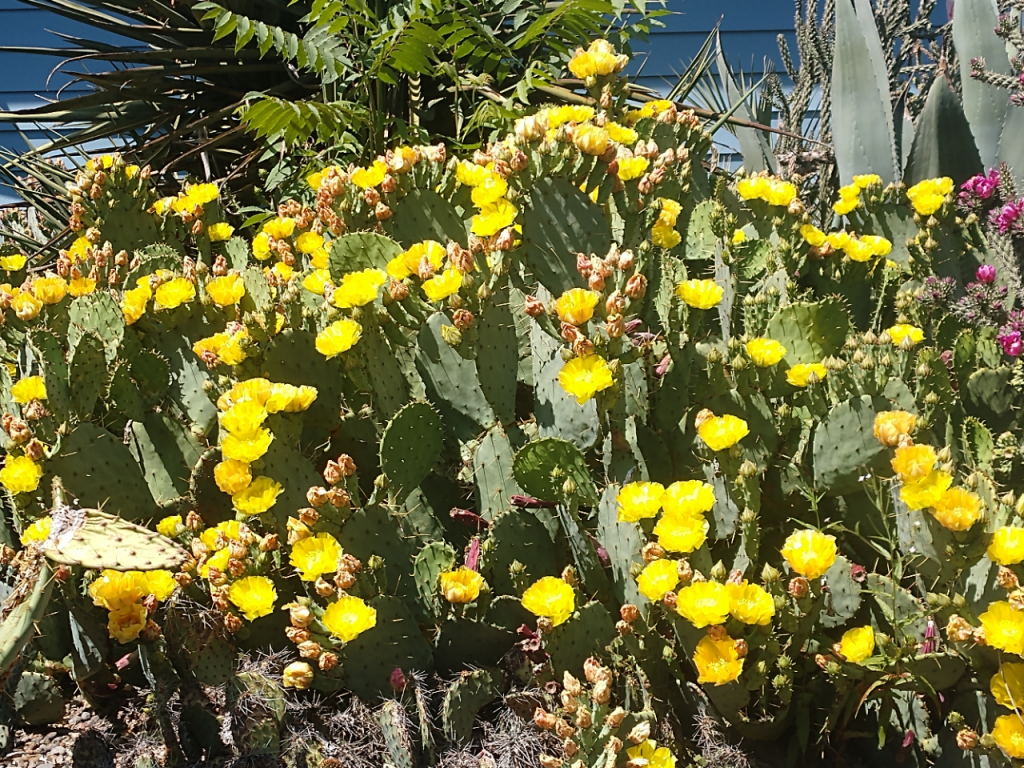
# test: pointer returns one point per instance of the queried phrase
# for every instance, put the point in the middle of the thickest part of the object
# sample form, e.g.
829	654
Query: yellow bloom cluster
810	553
664	233
682	527
599	60
227	347
122	592
357	289
892	426
700	294
650	109
929	195
20	474
767	188
584	377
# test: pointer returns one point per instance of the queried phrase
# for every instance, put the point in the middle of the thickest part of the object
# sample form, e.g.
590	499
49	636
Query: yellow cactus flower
20	474
858	250
630	168
365	178
681	533
849	200
704	603
38	532
407	263
805	374
957	509
314	556
170	526
261	246
665	236
133	303
657	579
688	498
591	140
443	285
639	500
857	644
1007	685
598	60
232	476
470	174
218	561
838	240
812	235
721	432
584	377
174	293
669	212
288	398
700	294
13	262
79	250
340	336
903	332
258	497
1008	734
927	491
810	553
751	604
226	290
867	180
929	195
738	237
462	585
551	598
159	583
348	617
880	246
297	675
494	217
247	449
28	389
753	187
114	590
26	306
244	419
231	530
913	462
1004	628
359	288
576	306
50	290
254	596
258	389
317	281
201	194
765	352
219	231
891	426
780	193
309	242
283	272
1007	546
622	135
81	286
126	624
279	228
717	660
491	189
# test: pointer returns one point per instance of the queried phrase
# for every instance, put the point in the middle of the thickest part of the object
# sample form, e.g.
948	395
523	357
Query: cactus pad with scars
845	447
543	467
38	700
360	250
586	634
810	331
425	215
492	474
409	447
466	697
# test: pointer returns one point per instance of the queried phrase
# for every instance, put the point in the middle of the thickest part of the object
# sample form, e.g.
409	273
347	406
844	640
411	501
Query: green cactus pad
54	369
941	670
20	611
922	537
843	599
463	644
394	725
562	222
989	392
94	539
152	258
296	473
38	699
390	388
98	469
291	358
211	502
257	713
395	643
901	610
452	382
123	396
86	375
257	296
151	373
166	451
557	412
520	536
213	661
492	474
467	696
542	467
434	559
97	314
425	215
409	447
588	633
376	531
622	542
360	250
845	448
810	331
186	394
497	357
978	444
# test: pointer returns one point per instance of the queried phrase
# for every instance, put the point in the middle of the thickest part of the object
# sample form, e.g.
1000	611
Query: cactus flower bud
298	674
614	720
544	719
629	613
398	290
316	496
533	306
332	473
35	450
549	761
670	600
452	336
967	739
640	732
235	567
584	719
299	615
339	497
231	622
718	571
327	661
1006	579
562	728
544	625
309	516
463	319
615	327
398	681
798	587
324	588
602	692
958	630
309	649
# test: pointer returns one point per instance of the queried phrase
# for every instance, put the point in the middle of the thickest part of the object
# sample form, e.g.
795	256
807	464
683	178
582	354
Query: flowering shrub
750	461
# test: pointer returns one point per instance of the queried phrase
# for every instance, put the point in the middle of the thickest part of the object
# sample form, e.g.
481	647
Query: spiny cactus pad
94	539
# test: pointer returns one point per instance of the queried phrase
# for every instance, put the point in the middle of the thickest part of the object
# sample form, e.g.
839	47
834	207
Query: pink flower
1012	343
986	274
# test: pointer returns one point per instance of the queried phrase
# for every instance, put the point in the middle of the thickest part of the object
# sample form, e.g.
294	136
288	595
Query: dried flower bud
548	761
61	573
629	613
309	516
298	674
544	719
332	473
685	571
636	286
1006	579
235	567
269	543
563	729
583	718
324	588
670	600
602	692
798	587
317	496
309	649
232	623
327	661
615	718
967	739
299	615
339	497
640	732
35	449
533	306
398	290
463	319
193	521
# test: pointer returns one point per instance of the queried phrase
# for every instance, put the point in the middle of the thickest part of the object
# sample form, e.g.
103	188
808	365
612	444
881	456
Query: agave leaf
943	144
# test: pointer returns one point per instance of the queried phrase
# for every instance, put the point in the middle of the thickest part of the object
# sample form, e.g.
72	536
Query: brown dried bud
670	600
958	630
220	267
150	632
35	450
382	212
462	318
339	497
602	692
544	719
35	411
327	661
310	649
823	660
324	588
596	281
269	543
232	623
61	573
967	739
398	290
636	286
717	632
640	733
199	549
533	306
235	567
506	240
563	729
309	516
389	185
548	761
584	719
332	473
629	613
183	579
193	521
544	625
1006	579
615	718
371	196
798	587
741	647
615	327
317	496
297	634
623	628
299	615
